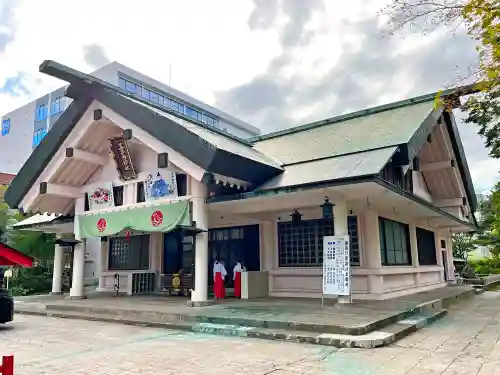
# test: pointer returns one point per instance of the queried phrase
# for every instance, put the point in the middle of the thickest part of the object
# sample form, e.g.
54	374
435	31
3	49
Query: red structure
12	257
7	367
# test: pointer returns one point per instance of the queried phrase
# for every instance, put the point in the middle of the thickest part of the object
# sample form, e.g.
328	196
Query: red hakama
219	289
237	284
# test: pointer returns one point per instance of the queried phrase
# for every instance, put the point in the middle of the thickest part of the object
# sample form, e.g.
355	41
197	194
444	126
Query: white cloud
208	43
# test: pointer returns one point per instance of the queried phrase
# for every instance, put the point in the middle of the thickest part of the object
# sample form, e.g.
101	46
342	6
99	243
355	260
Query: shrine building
163	196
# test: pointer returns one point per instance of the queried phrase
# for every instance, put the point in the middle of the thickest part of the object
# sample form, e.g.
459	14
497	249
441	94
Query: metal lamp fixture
327	209
296	217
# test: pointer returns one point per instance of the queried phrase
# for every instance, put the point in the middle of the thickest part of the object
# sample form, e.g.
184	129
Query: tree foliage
462	243
481	20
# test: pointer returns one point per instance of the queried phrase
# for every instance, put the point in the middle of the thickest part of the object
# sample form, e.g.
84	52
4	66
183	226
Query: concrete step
373	339
203	317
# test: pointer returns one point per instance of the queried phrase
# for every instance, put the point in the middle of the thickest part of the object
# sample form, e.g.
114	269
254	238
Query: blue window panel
167	103
200	116
210	121
41	113
138	90
5	126
191	113
153	97
122	83
129	86
216	122
145	93
160	99
181	108
37	138
55	107
204	118
174	105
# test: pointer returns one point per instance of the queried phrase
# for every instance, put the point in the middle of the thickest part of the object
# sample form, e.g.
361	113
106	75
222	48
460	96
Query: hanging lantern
296	217
127	235
327	209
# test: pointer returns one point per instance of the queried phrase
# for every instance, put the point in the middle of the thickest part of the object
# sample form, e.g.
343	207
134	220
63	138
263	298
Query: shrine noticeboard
336	266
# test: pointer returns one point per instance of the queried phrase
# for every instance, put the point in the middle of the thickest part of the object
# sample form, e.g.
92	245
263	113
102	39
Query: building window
6	126
164	101
56	106
301	245
394	242
426	245
38	136
181	181
153	97
443	244
41	113
130	253
141	196
118	195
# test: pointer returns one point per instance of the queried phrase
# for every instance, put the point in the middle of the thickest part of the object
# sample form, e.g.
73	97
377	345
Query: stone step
203	317
373	339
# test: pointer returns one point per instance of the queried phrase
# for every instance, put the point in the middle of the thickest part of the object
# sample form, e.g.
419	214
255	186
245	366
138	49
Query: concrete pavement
464	342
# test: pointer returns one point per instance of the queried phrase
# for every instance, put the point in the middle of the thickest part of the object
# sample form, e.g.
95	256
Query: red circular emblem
156	218
101	225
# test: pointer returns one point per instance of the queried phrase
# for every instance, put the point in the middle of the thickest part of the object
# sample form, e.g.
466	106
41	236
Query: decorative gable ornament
120	153
159	185
101	197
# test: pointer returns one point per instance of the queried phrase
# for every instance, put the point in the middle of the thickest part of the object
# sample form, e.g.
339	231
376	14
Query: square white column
58	268
200	215
77	284
370	250
414	253
103	265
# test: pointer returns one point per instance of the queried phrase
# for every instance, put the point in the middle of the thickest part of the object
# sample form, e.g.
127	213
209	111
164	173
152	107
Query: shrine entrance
234	244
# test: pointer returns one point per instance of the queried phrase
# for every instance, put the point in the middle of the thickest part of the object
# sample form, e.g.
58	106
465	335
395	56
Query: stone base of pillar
76	298
344	300
56	293
199	303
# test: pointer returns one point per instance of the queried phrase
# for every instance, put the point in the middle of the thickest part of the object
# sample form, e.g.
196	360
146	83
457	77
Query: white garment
219	267
237	268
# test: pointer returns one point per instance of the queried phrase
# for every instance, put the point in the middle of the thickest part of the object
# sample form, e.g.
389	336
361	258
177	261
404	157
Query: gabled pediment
77	145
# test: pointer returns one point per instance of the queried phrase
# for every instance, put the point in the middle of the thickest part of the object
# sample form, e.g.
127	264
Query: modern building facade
176	194
24	128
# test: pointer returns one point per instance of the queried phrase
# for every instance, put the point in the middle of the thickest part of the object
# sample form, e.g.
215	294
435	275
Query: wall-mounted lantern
327	209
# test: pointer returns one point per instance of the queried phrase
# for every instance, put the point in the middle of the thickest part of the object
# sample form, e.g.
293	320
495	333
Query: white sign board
336	266
7	274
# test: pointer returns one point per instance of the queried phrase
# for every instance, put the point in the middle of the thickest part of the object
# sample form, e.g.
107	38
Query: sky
272	63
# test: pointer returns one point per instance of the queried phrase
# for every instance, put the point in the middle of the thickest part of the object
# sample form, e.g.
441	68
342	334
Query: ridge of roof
65	73
462	90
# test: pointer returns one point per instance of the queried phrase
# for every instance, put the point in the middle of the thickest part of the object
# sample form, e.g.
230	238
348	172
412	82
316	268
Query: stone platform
365	324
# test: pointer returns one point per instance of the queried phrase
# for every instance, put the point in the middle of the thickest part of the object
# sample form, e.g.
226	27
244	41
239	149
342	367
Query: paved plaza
465	342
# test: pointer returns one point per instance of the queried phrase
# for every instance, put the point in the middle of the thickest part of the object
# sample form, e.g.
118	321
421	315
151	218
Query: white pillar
340	228
77	287
439	254
58	268
200	216
414	253
103	267
371	256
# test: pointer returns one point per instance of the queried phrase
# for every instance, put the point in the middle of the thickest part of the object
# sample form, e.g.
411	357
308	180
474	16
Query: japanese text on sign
336	265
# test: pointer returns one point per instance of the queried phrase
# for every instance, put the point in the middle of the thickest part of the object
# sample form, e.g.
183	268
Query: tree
488	233
481	19
462	243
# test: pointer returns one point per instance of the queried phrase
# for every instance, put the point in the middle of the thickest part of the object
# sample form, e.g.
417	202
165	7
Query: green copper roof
381	128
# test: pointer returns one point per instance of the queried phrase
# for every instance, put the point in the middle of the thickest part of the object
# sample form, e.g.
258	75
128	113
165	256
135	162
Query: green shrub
17	291
487	266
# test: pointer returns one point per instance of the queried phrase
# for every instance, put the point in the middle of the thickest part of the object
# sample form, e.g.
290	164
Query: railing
143	282
7	367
